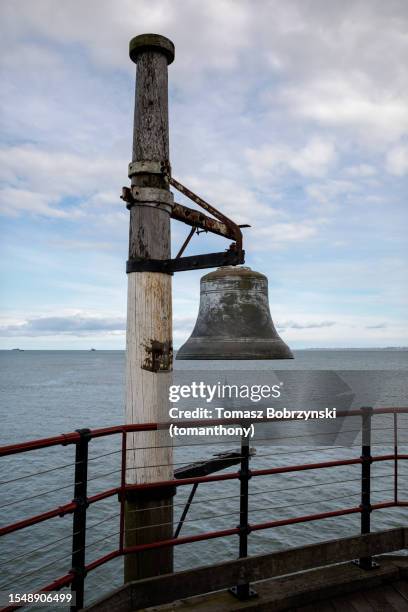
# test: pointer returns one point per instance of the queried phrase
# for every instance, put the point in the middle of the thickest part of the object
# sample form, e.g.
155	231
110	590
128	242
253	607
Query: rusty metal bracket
185	243
181	264
232	229
197	219
218	224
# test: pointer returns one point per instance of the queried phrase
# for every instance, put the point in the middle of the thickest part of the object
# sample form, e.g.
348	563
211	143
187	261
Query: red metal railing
76	438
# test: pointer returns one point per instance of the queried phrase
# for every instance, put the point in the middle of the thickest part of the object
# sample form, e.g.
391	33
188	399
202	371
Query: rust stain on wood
158	356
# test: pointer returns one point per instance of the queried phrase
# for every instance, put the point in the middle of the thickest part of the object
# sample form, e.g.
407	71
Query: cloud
181	322
331	190
80	325
377	326
361	170
39	180
314	325
313	159
76	325
397	161
15	202
277	116
82	245
182	328
278	234
194	26
234	197
351	103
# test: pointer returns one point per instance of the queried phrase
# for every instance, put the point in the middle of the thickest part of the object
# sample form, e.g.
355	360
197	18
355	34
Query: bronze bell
234	321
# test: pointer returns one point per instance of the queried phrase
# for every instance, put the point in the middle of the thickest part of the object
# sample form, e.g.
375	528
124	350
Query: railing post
122	494
79	520
366	460
395	457
244	591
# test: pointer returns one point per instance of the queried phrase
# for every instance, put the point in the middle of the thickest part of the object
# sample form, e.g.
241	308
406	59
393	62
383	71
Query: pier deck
340	588
320	576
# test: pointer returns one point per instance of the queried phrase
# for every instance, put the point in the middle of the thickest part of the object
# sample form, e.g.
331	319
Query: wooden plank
402	587
360	603
318	606
379	602
318	585
163	589
344	604
315	587
395	598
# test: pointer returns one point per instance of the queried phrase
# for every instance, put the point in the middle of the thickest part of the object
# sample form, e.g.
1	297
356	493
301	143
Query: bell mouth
236	349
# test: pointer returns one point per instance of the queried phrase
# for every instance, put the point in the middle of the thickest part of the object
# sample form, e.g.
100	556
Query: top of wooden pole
151	42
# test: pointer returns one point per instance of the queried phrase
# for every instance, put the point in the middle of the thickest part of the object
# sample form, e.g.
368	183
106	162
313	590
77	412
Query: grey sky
291	116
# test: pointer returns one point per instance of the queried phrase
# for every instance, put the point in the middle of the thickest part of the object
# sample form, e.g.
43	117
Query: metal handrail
74	436
78	505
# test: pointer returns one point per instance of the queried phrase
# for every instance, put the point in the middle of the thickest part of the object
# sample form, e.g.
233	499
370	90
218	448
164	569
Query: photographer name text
211	393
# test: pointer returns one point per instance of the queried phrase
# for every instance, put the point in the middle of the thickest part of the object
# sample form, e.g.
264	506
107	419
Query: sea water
44	393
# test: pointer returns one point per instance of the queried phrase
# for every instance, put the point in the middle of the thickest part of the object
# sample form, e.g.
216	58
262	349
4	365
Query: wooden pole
149	517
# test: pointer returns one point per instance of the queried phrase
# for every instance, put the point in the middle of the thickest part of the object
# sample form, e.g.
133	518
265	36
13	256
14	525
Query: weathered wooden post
149	514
